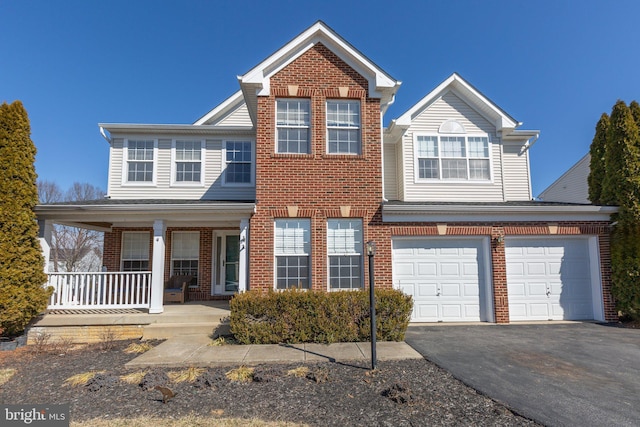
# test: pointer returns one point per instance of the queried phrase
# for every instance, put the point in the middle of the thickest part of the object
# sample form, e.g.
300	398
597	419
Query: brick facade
315	185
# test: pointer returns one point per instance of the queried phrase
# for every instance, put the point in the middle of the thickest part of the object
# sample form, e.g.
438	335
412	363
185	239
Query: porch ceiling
105	214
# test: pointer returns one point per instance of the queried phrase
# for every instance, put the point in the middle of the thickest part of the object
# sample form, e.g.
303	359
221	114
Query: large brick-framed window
135	250
345	251
343	127
292	253
185	254
292	121
140	161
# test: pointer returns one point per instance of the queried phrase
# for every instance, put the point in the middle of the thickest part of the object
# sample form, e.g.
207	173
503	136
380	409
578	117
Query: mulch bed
399	393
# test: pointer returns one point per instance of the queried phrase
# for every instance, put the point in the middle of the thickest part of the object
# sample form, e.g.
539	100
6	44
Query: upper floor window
292	119
140	159
188	161
344	247
239	162
292	252
343	127
135	250
455	158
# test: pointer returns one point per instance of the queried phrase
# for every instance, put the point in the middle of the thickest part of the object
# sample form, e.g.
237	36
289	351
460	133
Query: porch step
169	330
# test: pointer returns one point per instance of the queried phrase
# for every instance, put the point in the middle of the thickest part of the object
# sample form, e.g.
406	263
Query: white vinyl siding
390	172
343	127
345	249
185	254
237	118
292	253
212	187
135	251
292	126
450	107
515	164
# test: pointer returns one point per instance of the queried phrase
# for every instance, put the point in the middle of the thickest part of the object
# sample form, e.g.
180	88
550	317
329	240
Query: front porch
146	242
206	318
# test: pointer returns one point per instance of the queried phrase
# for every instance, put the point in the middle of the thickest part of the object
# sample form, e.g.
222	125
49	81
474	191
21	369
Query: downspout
104	135
524	149
382	111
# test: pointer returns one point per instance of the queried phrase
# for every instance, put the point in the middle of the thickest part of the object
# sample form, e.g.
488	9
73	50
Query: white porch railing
100	290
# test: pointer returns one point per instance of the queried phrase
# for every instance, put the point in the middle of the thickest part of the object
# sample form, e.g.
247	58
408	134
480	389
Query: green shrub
297	316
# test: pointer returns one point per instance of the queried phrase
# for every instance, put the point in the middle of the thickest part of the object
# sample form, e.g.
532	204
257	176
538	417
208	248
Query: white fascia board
182	208
225	107
468	213
172	129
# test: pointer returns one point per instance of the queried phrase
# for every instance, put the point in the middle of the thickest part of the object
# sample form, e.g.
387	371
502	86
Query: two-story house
283	183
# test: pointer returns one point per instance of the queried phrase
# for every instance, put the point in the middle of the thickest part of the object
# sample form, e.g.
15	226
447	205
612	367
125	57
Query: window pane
292	272
428	168
478	146
343	125
188	172
135	245
140	171
454	169
343	113
139	150
345	272
293	112
238	162
452	146
188	150
427	146
479	169
293	140
342	141
238	173
292	236
344	236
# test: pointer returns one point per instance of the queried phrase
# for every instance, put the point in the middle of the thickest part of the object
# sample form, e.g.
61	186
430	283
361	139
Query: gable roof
255	82
501	119
572	186
225	108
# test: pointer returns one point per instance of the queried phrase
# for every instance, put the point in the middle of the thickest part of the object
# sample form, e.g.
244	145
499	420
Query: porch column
44	235
243	261
157	269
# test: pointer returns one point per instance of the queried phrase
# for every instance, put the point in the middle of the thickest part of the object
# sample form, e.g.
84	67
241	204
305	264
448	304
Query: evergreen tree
622	156
597	165
22	295
635	112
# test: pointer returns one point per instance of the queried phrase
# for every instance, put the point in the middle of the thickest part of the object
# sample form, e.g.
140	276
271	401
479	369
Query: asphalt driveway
573	374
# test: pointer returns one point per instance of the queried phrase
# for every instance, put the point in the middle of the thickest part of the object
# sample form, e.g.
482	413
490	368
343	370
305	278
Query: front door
229	263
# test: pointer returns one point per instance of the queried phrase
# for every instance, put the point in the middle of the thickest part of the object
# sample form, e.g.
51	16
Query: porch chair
175	289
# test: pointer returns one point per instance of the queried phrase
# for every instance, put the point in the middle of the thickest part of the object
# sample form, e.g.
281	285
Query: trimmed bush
297	316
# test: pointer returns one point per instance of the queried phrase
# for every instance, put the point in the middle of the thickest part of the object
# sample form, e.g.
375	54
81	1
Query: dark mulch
400	393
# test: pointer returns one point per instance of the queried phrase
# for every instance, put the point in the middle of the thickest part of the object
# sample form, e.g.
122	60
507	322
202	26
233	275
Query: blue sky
554	65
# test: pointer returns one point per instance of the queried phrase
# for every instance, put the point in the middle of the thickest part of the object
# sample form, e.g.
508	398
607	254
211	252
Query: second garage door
549	279
446	278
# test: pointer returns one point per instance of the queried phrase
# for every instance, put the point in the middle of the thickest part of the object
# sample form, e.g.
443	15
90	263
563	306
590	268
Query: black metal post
372	304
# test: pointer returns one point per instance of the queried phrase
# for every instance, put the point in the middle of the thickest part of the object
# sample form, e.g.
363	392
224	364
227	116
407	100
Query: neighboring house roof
255	82
226	107
501	119
572	186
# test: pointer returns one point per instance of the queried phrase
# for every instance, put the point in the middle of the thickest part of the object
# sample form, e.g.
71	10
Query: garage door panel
449	269
556	283
427	269
446	274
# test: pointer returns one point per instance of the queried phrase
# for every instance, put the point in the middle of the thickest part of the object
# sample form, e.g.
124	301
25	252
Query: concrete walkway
195	350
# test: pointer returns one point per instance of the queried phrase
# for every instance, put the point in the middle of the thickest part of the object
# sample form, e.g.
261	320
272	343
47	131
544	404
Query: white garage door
549	279
444	276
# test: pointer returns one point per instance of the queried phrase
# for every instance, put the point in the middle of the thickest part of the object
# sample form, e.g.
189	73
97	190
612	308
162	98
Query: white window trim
326	126
360	254
308	127
416	168
203	151
276	255
125	166
224	182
